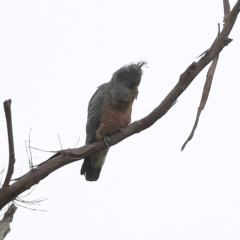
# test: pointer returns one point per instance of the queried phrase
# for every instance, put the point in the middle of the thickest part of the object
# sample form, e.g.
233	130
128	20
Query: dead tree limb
209	78
204	98
5	222
7	109
62	158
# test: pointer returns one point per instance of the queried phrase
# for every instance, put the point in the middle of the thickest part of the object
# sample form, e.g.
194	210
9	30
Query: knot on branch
188	71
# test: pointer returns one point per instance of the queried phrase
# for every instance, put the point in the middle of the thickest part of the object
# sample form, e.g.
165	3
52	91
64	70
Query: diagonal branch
209	78
7	109
68	156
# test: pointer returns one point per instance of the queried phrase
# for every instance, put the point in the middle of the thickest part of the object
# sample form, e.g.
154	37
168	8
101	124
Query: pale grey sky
54	54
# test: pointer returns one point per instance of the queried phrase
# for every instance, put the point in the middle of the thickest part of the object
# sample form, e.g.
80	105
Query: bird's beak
135	92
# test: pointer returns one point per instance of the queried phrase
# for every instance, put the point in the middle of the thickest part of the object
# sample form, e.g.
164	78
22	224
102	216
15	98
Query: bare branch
204	98
30	151
65	157
7	109
209	77
5	222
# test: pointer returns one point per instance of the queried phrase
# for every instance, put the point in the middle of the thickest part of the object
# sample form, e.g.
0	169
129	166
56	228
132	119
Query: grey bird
109	110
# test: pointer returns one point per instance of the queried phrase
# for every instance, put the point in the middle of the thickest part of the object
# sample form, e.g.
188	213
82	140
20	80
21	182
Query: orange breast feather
112	120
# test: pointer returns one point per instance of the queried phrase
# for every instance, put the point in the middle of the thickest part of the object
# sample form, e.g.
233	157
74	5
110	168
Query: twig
20	171
7	109
26	147
43	150
33	209
32	202
30	151
77	142
203	53
60	141
1	175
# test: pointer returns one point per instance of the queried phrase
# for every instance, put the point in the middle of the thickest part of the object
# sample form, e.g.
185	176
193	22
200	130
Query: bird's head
127	79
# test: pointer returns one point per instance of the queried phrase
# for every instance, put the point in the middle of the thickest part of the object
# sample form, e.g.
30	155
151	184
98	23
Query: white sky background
54	54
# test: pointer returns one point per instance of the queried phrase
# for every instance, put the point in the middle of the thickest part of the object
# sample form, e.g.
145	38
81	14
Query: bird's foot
122	130
107	141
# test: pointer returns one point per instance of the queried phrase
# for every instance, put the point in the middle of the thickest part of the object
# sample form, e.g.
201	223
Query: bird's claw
122	130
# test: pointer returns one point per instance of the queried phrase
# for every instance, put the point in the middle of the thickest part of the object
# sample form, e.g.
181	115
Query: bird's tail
91	173
92	165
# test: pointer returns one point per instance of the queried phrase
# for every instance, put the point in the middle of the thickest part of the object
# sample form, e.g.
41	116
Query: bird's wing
95	113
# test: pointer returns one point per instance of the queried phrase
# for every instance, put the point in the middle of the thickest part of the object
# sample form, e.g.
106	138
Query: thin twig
60	141
31	202
26	147
203	53
30	151
33	209
77	142
7	109
43	150
20	171
2	175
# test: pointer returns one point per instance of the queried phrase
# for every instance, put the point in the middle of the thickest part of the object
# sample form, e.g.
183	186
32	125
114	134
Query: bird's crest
130	68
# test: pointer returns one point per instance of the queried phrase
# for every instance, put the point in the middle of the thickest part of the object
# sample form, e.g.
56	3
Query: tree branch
7	109
204	98
68	156
209	78
5	222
